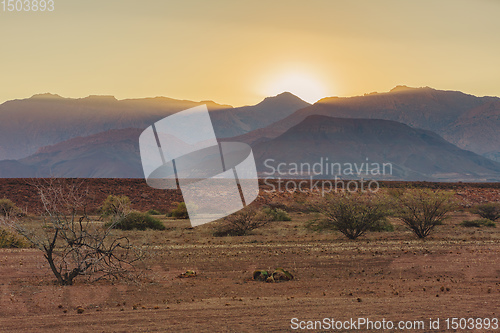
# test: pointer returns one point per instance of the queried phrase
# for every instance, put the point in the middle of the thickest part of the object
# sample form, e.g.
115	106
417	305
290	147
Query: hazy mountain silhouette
467	121
26	125
478	130
415	154
46	119
232	122
97	136
111	154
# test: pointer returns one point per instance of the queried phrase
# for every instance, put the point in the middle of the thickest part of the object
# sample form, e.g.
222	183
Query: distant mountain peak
286	94
215	105
100	98
285	97
46	96
403	88
329	99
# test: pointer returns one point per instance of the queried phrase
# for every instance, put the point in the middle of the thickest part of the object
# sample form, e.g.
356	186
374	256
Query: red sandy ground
143	197
453	273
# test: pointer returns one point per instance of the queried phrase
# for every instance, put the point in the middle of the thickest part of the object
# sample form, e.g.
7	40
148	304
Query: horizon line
397	87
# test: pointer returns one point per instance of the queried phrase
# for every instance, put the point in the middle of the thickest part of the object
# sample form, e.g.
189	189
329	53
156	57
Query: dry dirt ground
143	197
388	275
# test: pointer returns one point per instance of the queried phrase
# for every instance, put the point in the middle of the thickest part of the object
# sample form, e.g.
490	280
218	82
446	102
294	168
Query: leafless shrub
242	222
71	242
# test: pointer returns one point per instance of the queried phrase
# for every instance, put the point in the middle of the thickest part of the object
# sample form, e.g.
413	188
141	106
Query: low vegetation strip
143	197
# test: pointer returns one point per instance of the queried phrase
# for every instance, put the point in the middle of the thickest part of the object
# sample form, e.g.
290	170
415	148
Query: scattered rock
188	274
280	275
260	275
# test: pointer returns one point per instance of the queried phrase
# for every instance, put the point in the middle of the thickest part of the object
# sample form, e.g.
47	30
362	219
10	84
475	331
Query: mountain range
46	119
110	154
370	149
467	121
425	134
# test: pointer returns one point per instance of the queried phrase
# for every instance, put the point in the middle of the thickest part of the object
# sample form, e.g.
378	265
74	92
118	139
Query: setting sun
302	85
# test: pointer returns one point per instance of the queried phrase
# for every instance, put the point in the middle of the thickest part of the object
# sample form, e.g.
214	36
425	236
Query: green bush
7	207
382	225
321	225
153	212
478	223
139	221
489	223
299	203
351	214
9	239
421	210
490	211
395	192
180	212
276	214
115	205
318	224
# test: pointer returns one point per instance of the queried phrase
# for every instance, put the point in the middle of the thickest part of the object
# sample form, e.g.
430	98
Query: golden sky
238	52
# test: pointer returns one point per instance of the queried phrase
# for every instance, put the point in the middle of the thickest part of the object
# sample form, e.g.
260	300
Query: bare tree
71	242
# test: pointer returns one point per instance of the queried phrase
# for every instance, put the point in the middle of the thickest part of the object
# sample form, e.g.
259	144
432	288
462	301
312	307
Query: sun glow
302	85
